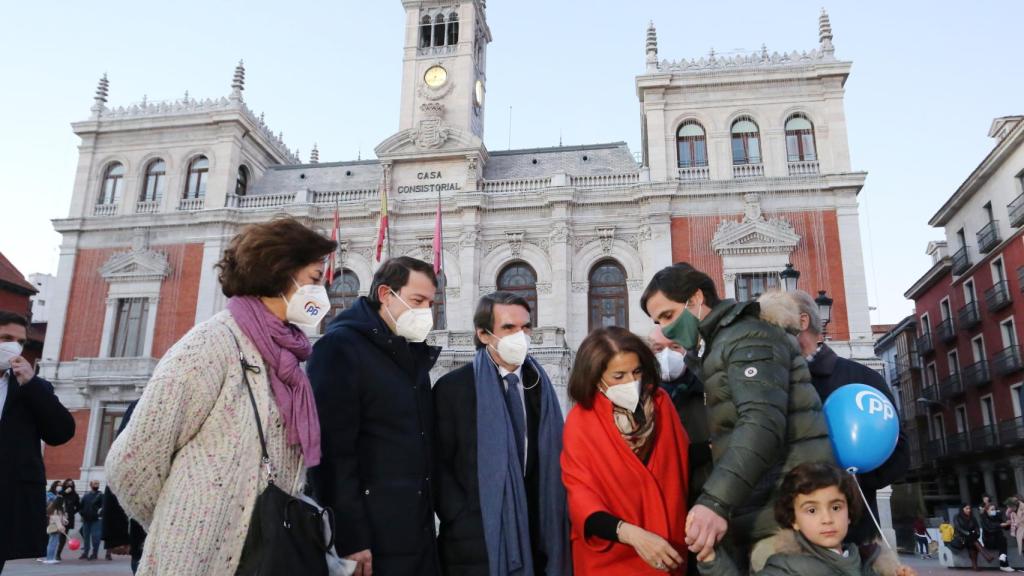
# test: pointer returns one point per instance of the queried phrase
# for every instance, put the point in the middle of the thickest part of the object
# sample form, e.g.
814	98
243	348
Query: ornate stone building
744	168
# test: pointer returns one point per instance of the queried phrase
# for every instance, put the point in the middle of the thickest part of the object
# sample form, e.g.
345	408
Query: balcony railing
747	170
191	204
1016	210
104	210
1007	361
957	444
984	438
998	296
1011	431
894	374
909	360
695	173
969	316
977	374
961	261
988	237
930	393
946	331
925	344
803	168
951	387
148	207
937	449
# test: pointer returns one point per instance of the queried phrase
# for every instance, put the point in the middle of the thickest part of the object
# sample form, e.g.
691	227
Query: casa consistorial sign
430	181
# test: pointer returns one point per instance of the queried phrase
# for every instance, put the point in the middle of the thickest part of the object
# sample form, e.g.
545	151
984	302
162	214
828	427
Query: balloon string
867	506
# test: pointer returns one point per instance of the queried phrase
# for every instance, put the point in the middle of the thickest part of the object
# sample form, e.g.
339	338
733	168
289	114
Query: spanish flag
382	233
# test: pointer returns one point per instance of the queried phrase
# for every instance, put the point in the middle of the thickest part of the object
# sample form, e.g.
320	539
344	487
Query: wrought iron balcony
957	444
925	344
969	316
1007	361
930	393
984	438
998	297
946	331
1016	210
1012	431
988	237
894	374
961	261
909	361
951	387
977	374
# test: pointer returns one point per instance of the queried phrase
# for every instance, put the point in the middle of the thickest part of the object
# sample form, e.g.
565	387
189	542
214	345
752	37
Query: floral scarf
637	427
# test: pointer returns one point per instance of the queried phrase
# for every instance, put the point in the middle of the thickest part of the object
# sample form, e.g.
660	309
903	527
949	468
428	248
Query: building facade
745	168
969	307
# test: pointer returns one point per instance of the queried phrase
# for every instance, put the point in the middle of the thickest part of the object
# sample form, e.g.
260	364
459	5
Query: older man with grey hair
829	372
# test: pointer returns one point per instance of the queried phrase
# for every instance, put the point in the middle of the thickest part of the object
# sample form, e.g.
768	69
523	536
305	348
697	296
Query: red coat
601	473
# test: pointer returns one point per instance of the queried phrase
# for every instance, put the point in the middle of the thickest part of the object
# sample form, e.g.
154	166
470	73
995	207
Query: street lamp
790	277
824	310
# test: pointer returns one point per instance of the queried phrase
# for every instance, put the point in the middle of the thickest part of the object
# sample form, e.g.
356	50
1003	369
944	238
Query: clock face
479	92
436	76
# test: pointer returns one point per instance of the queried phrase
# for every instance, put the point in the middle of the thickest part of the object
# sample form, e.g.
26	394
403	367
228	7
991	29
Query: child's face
822	517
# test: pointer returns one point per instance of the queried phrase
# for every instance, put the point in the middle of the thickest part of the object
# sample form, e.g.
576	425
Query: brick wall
65	461
178	296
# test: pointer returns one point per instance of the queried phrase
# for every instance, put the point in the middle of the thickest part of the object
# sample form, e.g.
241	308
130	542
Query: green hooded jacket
799	558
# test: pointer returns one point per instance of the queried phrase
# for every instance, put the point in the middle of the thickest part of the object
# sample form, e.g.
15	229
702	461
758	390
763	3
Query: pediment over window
755	234
136	266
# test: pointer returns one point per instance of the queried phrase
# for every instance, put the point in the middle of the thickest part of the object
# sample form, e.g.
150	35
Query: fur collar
885	562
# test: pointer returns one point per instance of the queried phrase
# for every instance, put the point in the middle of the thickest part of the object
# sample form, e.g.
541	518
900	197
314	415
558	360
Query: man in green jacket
765	416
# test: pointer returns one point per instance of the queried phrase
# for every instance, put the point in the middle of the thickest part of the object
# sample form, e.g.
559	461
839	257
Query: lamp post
824	311
790	276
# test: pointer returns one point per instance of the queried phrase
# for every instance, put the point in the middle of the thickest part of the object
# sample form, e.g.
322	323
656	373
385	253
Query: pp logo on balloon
876	404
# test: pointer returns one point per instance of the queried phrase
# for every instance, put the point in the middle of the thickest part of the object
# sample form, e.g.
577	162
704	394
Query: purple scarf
283	346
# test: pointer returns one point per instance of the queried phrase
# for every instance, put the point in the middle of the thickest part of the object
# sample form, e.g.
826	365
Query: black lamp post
790	276
824	310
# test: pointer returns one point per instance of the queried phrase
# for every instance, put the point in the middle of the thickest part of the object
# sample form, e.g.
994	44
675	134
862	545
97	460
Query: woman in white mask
624	461
190	463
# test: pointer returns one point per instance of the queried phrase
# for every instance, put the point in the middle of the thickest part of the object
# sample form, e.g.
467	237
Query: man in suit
29	413
498	439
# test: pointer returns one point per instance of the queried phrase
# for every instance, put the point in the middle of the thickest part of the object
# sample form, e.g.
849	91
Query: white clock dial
436	76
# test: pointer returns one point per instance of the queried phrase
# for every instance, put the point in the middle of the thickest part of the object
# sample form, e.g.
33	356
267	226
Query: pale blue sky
928	77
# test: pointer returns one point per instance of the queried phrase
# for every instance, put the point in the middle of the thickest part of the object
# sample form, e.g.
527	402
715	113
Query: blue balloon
863	425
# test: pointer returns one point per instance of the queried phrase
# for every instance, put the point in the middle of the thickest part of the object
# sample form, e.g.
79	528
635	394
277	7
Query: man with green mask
764	414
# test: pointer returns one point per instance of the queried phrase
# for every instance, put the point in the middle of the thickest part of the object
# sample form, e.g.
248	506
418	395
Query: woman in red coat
624	462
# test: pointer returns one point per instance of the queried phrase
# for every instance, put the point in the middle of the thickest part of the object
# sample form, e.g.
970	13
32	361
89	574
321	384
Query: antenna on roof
559	137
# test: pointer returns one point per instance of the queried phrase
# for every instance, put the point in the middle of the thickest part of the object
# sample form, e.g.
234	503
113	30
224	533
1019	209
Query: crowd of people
702	447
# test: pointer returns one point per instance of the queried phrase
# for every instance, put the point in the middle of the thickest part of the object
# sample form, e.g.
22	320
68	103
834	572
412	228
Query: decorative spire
100	99
314	156
652	48
825	33
186	98
238	82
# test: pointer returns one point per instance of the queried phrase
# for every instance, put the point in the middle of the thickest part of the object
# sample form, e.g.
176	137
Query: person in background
122	535
830	372
499	419
92	514
55	491
30	414
992	535
72	502
817	504
56	529
967	533
188	466
371	377
922	538
624	461
1015	514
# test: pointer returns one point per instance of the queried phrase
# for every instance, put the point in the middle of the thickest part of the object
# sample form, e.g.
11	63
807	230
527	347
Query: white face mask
8	351
414	324
672	364
308	306
624	395
513	348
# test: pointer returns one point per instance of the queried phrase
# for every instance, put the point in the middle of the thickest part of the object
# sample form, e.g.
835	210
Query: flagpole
440	253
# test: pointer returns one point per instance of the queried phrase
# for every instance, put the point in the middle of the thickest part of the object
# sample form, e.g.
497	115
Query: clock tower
444	79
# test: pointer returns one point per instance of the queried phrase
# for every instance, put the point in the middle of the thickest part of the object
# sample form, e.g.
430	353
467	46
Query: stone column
988	470
884	498
59	302
965	489
209	302
1017	462
561	269
110	316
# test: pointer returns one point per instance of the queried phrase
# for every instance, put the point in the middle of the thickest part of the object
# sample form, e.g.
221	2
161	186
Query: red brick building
969	308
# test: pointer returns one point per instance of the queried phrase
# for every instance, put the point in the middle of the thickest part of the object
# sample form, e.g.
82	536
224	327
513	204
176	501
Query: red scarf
601	473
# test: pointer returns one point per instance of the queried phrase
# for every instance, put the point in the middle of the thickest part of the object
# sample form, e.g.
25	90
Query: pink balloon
74	544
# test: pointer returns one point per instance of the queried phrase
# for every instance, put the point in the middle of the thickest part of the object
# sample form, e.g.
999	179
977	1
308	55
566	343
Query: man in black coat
370	374
830	372
503	328
29	413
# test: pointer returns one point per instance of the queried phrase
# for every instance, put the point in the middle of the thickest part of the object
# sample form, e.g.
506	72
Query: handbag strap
247	367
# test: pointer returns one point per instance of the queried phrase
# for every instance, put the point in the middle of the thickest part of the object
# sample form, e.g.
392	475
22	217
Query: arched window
113	181
439	30
425	29
440	303
608	298
343	293
195	186
156	181
800	139
693	148
453	29
242	181
519	278
746	142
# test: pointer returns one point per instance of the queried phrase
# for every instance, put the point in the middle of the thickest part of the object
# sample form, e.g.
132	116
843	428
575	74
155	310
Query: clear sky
928	78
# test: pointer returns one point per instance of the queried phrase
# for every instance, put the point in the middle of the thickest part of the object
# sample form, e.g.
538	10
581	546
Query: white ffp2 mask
308	306
414	324
624	395
8	351
513	348
672	362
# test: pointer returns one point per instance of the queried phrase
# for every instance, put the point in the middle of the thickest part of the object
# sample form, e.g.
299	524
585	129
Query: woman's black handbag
958	542
286	534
